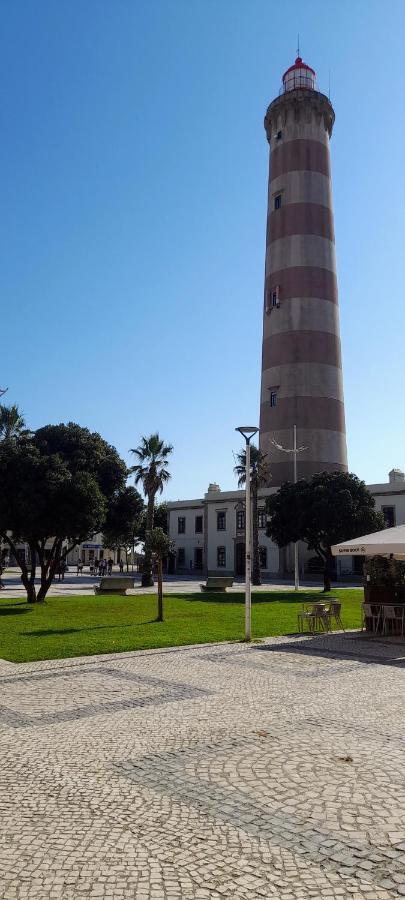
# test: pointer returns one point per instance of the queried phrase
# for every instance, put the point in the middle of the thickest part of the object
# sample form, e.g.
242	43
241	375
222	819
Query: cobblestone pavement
222	771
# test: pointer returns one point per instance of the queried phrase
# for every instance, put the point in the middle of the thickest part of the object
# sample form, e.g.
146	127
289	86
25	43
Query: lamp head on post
247	431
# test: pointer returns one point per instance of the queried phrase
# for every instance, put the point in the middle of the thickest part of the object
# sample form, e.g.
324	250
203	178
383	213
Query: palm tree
152	472
259	477
12	423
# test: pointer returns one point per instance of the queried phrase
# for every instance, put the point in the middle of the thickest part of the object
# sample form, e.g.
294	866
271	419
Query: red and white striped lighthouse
301	363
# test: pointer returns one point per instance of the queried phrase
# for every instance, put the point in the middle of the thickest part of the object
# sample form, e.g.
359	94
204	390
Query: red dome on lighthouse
299	75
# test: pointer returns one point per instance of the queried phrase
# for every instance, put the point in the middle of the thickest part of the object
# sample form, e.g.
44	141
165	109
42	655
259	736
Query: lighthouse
301	356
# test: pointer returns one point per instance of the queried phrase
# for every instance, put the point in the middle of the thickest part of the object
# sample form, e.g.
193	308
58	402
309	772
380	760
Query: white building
209	533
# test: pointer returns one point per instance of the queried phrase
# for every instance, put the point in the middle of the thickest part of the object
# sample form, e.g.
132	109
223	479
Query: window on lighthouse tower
277	202
273	398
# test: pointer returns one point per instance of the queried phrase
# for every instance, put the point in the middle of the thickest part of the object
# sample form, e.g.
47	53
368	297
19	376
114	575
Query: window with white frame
181	556
198	524
221	557
389	516
240	520
263	557
221	521
273	298
181	525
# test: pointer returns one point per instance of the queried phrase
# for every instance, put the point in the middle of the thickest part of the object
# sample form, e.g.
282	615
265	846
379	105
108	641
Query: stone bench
216	583
114	585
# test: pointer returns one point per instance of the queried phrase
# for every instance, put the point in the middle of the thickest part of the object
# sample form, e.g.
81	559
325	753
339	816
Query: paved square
225	771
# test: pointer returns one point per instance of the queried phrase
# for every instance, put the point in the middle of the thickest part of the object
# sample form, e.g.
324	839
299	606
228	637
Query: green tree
122	524
158	545
12	423
160	520
259	477
84	451
55	489
329	508
152	473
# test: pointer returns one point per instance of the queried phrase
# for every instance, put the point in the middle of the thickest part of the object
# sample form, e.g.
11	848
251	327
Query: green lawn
76	626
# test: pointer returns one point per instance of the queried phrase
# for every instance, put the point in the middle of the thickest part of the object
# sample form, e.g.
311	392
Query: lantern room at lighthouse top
298	76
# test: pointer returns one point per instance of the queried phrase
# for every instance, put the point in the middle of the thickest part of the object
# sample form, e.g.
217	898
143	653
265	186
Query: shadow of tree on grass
14	610
48	632
260	597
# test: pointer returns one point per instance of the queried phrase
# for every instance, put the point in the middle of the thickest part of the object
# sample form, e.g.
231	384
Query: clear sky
133	168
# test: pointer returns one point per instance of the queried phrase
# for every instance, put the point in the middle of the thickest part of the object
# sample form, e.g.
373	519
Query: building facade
89	552
209	533
301	356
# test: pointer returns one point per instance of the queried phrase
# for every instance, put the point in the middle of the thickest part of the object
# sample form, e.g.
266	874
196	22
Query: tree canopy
328	508
124	515
55	489
151	467
12	423
160	520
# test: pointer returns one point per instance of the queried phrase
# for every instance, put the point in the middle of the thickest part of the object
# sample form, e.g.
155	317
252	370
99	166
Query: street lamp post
247	431
294	451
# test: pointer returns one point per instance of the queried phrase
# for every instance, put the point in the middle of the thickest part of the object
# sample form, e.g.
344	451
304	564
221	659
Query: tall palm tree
151	471
259	477
12	423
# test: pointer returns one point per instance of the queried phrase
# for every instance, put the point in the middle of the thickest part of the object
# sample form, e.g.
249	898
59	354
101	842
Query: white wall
215	502
190	540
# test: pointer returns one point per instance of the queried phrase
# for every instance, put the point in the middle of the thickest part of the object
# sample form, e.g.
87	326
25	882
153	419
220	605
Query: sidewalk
173	584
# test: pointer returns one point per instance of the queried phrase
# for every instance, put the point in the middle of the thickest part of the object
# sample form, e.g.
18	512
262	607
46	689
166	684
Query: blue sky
133	169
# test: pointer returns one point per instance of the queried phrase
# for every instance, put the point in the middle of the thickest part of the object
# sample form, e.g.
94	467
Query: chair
400	613
333	612
391	618
374	616
303	616
318	617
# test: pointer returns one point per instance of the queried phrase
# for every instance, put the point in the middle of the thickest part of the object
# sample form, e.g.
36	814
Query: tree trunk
147	577
160	591
255	536
27	575
48	569
28	578
327	573
31	590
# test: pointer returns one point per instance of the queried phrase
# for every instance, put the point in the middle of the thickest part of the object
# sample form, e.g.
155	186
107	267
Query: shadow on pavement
353	646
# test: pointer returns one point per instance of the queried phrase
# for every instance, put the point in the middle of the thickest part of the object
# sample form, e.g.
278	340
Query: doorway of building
240	559
198	558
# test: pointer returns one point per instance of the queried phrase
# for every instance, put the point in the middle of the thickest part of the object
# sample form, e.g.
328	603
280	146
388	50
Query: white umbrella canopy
390	541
